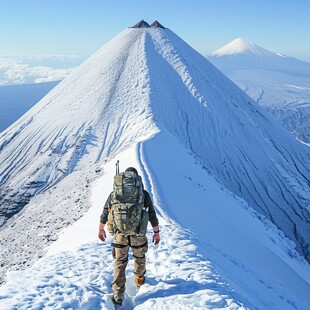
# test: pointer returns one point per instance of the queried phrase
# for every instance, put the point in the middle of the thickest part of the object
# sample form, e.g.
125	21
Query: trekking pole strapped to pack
117	167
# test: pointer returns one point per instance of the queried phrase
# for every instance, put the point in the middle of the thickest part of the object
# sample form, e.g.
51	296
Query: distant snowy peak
242	46
243	54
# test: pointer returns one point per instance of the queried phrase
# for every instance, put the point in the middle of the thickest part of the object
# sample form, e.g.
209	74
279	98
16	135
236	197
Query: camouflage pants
121	245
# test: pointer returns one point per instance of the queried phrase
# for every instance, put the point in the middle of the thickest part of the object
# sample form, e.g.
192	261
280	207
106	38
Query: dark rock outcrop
141	24
157	24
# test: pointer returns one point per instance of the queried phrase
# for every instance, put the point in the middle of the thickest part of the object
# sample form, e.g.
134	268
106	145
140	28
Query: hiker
126	214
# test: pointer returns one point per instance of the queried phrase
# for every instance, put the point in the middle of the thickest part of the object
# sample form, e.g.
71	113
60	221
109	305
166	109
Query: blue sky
82	26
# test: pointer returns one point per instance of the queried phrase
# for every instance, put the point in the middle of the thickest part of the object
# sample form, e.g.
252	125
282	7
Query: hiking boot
117	300
139	281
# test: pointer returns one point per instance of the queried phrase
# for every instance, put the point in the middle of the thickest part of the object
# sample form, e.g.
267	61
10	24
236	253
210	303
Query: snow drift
143	82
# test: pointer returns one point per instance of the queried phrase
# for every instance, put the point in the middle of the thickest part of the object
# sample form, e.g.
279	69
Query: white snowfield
150	100
279	83
227	257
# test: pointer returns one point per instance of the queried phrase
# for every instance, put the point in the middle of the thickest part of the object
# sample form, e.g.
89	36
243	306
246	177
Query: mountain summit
144	83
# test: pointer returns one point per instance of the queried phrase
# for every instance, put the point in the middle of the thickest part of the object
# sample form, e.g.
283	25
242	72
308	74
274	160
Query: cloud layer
24	69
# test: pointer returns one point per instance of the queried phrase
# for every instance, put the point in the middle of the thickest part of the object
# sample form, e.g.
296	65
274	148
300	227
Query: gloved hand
101	234
156	237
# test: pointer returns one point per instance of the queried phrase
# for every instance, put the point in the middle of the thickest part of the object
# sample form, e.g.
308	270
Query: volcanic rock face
141	24
157	24
144	81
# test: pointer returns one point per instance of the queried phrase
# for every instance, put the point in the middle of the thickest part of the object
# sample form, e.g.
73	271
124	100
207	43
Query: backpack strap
139	246
117	245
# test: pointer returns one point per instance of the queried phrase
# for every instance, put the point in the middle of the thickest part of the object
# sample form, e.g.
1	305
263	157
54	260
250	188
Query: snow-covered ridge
143	82
226	260
232	136
56	133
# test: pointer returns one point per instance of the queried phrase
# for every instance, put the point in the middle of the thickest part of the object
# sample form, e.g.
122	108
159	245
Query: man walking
126	213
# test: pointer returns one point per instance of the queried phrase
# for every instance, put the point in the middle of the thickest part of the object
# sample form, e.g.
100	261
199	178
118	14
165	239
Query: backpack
127	213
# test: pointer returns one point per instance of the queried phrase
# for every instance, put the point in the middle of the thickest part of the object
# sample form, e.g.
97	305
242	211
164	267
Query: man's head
132	169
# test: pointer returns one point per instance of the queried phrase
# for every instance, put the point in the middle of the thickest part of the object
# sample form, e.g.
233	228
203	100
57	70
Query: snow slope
231	258
15	100
142	83
279	83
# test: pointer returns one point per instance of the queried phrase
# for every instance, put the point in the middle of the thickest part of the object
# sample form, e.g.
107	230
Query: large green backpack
127	212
